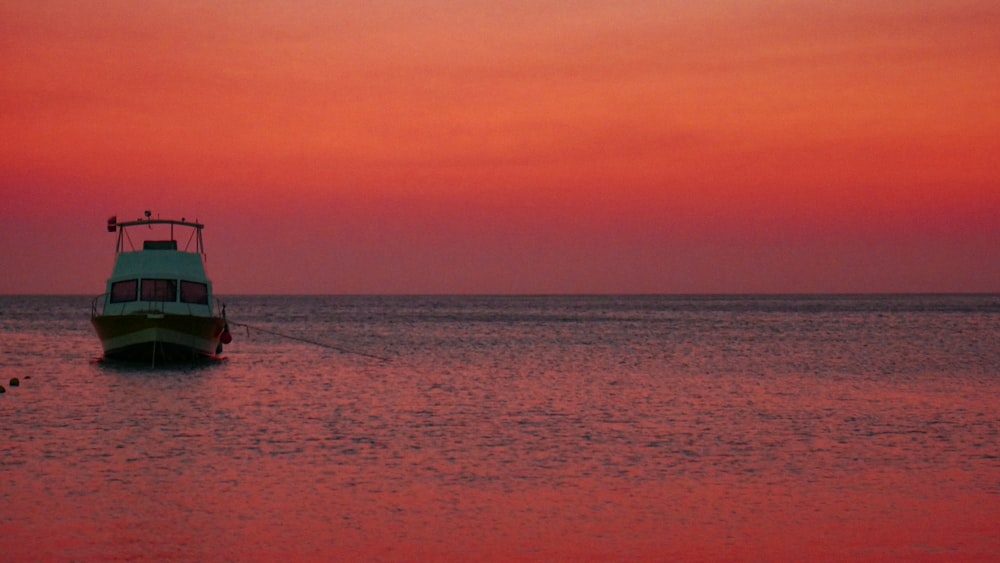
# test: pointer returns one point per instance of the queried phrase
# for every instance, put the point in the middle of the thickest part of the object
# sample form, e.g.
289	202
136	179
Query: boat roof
121	224
158	239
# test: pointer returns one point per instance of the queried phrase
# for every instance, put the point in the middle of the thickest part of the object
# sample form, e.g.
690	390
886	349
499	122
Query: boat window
124	291
159	245
194	292
159	290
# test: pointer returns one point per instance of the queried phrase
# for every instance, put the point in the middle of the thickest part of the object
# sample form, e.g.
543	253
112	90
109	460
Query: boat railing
97	304
126	244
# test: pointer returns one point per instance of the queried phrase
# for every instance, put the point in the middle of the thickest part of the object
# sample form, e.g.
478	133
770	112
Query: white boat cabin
158	276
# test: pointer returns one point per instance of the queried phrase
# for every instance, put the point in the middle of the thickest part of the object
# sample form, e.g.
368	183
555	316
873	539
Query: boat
158	305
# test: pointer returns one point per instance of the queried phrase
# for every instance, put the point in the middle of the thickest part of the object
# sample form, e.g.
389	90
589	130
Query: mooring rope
313	342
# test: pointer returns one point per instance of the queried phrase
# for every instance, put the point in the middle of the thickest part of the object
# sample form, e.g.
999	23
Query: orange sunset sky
432	146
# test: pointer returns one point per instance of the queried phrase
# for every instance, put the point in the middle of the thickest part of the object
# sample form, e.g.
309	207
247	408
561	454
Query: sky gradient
508	147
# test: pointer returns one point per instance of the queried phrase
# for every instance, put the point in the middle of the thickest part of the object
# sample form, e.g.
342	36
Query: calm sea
513	428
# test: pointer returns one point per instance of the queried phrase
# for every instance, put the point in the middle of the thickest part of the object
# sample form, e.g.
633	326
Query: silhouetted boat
158	305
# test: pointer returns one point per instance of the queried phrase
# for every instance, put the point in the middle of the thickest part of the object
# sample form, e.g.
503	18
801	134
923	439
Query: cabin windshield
159	290
194	292
124	291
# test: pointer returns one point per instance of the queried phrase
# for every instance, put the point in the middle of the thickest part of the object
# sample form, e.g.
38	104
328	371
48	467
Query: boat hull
158	338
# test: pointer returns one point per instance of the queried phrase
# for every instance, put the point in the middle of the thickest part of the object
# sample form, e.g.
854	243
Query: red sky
426	146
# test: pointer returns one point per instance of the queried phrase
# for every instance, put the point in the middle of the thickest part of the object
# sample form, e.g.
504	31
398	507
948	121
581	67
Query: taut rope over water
313	342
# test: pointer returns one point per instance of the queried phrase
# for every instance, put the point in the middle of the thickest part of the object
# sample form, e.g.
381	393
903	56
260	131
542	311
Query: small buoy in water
2	390
14	382
226	338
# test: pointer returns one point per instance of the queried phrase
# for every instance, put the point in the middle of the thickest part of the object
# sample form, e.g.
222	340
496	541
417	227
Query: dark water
513	428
